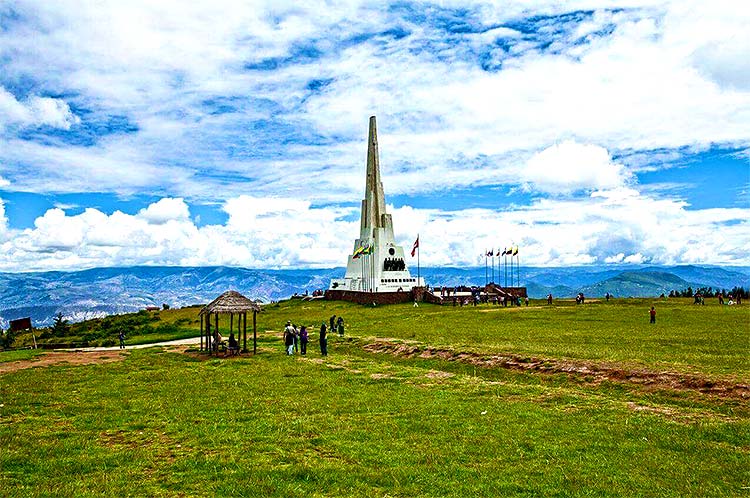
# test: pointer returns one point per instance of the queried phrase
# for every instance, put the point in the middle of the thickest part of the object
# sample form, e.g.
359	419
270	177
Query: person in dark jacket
340	326
652	313
323	339
303	338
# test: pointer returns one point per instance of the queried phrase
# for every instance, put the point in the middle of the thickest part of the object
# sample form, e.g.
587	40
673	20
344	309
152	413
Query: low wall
370	297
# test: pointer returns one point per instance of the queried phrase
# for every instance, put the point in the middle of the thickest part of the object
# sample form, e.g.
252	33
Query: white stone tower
376	264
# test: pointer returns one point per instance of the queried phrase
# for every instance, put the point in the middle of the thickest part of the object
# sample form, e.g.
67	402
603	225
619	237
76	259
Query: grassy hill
638	284
558	400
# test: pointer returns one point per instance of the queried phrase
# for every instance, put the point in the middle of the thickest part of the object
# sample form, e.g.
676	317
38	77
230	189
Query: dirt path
86	356
594	373
62	357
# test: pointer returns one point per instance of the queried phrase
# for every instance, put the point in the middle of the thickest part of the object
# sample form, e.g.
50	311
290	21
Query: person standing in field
289	338
340	326
303	339
296	338
323	340
122	340
652	313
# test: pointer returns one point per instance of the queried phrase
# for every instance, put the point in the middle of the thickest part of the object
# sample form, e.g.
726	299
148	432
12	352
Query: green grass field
358	423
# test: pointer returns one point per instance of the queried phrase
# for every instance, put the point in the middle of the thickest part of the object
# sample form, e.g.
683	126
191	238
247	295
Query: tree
60	327
7	338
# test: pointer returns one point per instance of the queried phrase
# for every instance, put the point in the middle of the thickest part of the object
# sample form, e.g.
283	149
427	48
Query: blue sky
607	132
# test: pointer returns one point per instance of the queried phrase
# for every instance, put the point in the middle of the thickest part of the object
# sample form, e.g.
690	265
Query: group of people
296	339
394	264
232	345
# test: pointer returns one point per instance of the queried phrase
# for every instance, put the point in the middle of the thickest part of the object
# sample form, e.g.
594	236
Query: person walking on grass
332	323
652	313
296	338
340	326
323	340
303	339
289	338
122	340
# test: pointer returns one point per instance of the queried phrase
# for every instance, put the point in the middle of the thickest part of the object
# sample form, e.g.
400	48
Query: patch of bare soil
582	371
66	357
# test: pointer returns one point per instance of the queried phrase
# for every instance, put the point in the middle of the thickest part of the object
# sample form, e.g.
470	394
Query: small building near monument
377	269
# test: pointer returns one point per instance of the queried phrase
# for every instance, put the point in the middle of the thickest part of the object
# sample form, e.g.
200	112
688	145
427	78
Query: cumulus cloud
35	111
620	226
570	166
211	100
165	210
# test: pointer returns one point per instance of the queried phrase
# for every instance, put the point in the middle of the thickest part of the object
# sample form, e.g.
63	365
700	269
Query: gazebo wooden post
216	320
201	333
244	334
231	322
255	335
208	332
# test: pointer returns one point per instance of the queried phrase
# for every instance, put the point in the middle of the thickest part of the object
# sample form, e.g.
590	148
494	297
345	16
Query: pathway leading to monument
178	342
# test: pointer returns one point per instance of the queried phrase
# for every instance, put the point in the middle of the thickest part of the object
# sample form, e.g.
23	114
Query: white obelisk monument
377	263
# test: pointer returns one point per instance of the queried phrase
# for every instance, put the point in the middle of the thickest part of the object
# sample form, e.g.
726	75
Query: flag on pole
491	253
515	251
509	251
504	252
414	247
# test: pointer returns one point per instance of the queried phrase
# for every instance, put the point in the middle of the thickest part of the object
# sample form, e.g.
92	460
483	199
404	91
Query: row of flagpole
513	253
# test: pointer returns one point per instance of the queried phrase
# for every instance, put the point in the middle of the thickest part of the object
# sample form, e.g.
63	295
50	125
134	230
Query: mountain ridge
97	292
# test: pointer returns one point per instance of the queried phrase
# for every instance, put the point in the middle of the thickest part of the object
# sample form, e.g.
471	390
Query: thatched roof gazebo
231	303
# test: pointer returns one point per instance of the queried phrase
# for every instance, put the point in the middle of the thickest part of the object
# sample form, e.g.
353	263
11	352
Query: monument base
378	298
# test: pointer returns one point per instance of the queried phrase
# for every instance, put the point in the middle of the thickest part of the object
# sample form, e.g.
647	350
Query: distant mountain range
102	291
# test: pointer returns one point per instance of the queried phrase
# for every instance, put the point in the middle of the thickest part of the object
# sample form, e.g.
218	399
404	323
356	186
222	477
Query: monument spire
373	205
377	264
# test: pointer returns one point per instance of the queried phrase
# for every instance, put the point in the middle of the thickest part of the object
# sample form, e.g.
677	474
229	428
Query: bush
7	338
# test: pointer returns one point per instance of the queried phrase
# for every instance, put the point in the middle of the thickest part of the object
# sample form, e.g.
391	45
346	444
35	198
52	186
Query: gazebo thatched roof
230	302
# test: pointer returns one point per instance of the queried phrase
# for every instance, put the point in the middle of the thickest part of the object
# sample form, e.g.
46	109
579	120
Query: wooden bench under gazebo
230	303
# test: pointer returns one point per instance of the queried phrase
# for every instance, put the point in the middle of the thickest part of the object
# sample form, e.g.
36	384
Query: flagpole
485	267
505	267
493	267
419	283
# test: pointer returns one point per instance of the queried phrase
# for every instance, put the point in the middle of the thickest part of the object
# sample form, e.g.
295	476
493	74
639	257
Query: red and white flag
414	248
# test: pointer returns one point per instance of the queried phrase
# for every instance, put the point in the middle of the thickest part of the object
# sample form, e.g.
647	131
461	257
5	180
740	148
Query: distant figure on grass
721	298
340	326
549	298
526	300
652	313
289	338
332	323
122	340
323	340
303	338
606	296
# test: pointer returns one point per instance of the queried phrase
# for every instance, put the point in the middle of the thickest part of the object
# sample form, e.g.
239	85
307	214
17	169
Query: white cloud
569	166
650	81
3	221
649	75
35	111
621	226
164	210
